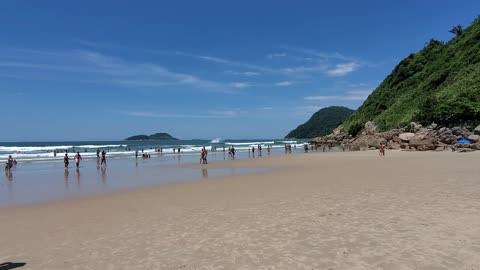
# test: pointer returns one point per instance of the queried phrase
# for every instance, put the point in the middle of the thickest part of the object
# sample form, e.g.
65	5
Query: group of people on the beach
102	156
144	155
259	149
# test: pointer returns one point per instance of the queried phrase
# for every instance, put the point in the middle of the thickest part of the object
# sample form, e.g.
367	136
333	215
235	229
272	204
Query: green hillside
156	136
321	123
440	83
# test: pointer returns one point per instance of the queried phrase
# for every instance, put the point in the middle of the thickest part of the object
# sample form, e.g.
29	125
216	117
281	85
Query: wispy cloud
343	69
273	55
103	68
285	83
240	84
218	60
318	54
350	95
245	73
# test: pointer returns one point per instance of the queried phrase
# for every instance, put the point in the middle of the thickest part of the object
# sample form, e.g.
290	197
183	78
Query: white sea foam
15	149
288	141
249	143
217	140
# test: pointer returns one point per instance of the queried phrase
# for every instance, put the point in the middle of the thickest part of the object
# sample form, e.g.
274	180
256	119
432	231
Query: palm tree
457	30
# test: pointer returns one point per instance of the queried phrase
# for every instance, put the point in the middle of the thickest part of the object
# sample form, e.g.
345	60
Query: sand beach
355	210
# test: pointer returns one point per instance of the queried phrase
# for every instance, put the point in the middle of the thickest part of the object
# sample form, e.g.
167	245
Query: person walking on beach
136	153
78	157
66	160
382	149
104	158
203	156
9	163
98	153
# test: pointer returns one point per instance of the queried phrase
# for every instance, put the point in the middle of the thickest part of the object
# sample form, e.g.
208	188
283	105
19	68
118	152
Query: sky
105	70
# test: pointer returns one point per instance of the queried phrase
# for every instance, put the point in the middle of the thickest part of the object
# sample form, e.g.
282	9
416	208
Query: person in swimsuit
78	157
98	153
9	164
104	158
66	160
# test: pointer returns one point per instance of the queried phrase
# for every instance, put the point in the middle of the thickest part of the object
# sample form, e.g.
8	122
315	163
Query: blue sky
104	70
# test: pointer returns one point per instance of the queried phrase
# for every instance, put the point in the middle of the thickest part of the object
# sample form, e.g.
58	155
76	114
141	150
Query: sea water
40	176
25	152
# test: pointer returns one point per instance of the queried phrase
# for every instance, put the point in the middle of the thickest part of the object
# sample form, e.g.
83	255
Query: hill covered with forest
321	123
440	83
156	136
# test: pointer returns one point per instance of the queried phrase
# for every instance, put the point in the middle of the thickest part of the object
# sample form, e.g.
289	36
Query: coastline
316	210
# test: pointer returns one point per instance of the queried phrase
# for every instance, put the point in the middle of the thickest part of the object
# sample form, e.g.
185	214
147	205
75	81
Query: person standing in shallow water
66	160
78	157
104	158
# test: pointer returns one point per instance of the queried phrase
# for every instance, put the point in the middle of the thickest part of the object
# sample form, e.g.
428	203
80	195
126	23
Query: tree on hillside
457	30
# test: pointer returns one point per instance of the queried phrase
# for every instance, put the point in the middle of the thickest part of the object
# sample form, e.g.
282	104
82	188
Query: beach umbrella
464	141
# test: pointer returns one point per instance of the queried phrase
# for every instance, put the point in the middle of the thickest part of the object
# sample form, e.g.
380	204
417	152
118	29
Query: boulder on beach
422	143
370	128
477	130
375	142
406	137
474	138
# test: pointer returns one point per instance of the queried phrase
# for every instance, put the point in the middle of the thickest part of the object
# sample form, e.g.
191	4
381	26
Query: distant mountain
440	83
156	136
321	123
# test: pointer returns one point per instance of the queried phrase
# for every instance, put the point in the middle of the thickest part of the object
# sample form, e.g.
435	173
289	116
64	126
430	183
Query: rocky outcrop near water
415	137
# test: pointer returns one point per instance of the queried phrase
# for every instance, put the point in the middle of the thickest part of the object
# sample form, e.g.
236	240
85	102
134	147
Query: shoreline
336	210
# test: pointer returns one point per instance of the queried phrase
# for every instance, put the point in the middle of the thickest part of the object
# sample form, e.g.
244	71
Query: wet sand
313	211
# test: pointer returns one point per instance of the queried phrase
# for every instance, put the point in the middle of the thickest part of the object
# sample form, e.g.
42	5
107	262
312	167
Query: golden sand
311	211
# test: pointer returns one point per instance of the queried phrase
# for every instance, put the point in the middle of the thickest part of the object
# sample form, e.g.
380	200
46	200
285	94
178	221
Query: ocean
40	176
26	152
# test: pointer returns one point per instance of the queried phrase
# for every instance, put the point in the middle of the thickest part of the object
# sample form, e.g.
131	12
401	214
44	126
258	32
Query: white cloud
144	74
285	83
245	73
350	95
343	69
225	61
273	55
322	55
240	84
304	69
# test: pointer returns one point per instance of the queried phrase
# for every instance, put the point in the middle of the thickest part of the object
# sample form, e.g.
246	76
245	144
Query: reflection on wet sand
39	182
77	174
9	175
104	175
66	174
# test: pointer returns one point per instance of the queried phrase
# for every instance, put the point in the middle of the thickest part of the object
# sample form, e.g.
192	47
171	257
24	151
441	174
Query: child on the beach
382	149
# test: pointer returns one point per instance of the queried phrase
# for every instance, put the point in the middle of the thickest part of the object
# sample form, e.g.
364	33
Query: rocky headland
414	137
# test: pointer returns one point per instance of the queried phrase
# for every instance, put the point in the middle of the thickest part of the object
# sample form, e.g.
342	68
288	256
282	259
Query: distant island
321	123
156	136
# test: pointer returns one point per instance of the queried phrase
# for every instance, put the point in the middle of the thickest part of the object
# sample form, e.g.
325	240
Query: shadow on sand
11	265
